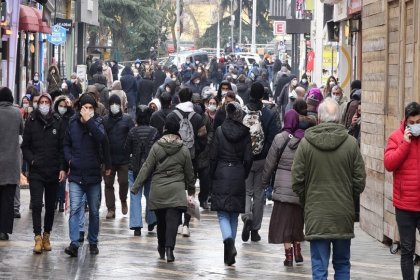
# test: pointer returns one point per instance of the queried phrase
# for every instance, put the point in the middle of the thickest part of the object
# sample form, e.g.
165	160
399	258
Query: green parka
170	163
327	173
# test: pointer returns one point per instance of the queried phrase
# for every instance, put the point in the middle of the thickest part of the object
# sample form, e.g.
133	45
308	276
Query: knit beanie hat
88	99
171	126
234	111
6	95
114	99
257	91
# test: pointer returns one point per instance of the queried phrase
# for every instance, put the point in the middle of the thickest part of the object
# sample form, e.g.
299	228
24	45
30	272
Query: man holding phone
402	156
85	148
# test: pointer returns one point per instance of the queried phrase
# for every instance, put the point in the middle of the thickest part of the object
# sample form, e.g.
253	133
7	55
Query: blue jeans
82	215
320	257
77	205
228	222
135	204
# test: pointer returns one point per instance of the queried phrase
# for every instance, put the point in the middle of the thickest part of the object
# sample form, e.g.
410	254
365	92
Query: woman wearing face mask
331	82
304	81
220	116
53	79
42	148
402	157
25	107
337	94
211	108
63	107
286	92
37	83
75	87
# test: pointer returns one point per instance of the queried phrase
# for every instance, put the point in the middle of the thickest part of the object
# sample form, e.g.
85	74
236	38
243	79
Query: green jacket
327	173
170	163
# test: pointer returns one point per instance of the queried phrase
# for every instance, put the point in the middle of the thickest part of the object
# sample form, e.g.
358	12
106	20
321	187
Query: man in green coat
328	172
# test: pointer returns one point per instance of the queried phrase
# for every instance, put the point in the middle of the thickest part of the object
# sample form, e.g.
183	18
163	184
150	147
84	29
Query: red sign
279	28
310	61
354	6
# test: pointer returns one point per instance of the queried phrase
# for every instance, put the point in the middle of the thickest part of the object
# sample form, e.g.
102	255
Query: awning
28	19
43	25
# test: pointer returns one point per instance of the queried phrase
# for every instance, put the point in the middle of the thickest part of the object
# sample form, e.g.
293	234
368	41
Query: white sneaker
186	231
180	229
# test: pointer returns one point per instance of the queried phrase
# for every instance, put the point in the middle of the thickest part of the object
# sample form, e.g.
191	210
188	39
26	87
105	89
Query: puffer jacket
140	135
328	172
103	92
282	189
230	164
170	163
117	128
42	147
402	158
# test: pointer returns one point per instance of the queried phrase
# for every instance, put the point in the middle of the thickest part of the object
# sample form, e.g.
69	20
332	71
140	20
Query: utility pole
178	28
254	26
240	23
218	30
232	20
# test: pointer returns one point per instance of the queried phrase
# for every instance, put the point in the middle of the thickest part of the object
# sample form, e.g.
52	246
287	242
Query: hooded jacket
170	165
328	172
70	112
402	158
54	80
117	90
129	86
144	91
100	84
230	164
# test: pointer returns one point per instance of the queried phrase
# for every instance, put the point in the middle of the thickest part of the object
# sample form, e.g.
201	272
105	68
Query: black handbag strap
289	137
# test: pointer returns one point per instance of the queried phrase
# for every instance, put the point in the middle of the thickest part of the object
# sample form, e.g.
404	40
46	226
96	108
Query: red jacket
403	159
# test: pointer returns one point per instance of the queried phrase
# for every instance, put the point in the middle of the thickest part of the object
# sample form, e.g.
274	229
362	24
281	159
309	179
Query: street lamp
254	26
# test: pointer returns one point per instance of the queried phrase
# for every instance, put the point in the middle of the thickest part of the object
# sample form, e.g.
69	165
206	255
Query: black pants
37	188
203	176
167	226
407	222
7	197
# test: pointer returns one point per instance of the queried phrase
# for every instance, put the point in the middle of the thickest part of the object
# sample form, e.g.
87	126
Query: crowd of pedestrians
241	131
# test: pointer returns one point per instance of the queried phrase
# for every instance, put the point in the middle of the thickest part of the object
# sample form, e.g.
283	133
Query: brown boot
110	214
297	252
124	207
289	257
38	244
46	245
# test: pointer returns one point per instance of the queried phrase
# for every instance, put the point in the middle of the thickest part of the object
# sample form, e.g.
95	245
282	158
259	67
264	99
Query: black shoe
230	251
204	205
61	206
72	251
86	208
81	236
246	230
255	237
4	236
17	215
151	227
137	232
93	248
169	254
161	251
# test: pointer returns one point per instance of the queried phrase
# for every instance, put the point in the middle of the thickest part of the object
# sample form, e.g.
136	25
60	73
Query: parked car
179	58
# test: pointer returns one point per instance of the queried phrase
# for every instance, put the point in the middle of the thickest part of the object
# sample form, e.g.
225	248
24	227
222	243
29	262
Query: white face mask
224	92
25	105
36	79
212	108
196	82
332	84
304	81
168	89
115	108
53	71
415	129
337	98
62	110
92	113
44	109
63	86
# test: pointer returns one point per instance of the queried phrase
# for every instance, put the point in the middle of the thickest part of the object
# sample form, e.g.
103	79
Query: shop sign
58	35
66	23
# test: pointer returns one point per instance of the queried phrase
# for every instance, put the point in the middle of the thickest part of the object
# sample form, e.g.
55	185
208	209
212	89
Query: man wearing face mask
337	94
42	148
86	148
402	157
195	83
75	87
286	92
117	125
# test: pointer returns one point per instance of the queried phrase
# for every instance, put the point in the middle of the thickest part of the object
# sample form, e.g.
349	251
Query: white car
250	58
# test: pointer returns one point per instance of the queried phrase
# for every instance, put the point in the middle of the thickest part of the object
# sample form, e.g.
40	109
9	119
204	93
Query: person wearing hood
280	81
220	115
158	118
42	149
286	93
117	126
304	82
262	132
355	98
145	89
243	88
230	164
11	127
75	87
187	70
170	86
100	83
195	83
37	83
402	159
129	86
184	112
117	90
169	164
86	152
159	77
53	79
107	72
327	173
154	105
286	222
63	107
338	95
100	108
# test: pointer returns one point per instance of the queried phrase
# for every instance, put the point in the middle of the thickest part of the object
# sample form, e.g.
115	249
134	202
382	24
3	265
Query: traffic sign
279	28
58	35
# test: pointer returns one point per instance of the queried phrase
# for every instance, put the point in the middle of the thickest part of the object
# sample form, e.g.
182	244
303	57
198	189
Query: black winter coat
129	86
85	147
144	91
243	91
140	140
42	147
117	128
103	94
158	119
158	79
230	164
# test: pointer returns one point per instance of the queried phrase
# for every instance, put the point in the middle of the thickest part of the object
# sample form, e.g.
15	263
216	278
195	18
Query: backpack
252	120
143	149
186	130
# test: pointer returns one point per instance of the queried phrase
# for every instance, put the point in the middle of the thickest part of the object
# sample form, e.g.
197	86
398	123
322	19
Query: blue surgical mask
415	129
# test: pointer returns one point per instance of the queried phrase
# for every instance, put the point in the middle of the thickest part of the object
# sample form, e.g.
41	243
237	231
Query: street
121	255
